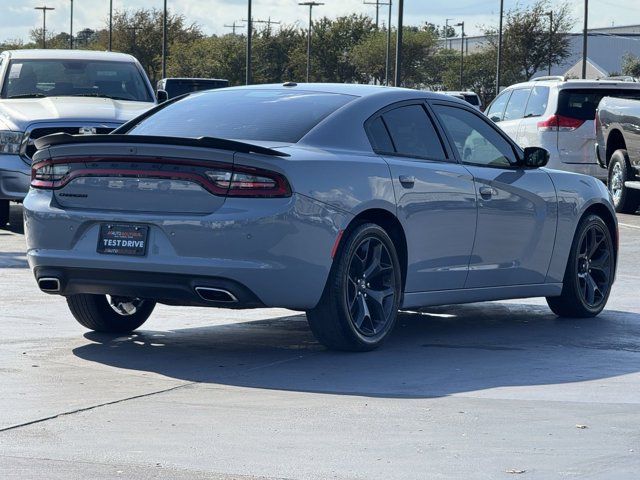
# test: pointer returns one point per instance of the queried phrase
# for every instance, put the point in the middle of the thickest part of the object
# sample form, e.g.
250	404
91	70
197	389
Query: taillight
559	123
250	182
48	175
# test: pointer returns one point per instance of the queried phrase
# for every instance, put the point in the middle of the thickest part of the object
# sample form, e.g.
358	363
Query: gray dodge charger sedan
349	202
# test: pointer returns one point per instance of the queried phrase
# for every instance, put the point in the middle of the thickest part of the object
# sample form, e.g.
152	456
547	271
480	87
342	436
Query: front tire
625	200
359	306
109	315
590	271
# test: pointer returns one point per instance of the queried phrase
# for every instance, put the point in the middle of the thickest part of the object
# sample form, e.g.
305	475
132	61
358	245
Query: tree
528	42
631	65
479	74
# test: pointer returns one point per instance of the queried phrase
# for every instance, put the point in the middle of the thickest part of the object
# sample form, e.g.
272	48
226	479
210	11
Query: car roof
54	54
576	83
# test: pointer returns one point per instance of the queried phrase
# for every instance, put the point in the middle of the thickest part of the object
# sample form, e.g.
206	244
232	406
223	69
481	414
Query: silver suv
558	115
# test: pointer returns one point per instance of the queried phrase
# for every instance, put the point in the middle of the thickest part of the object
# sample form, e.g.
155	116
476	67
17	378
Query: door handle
407	181
488	192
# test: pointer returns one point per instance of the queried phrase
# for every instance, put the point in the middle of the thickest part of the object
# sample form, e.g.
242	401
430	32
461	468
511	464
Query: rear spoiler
204	142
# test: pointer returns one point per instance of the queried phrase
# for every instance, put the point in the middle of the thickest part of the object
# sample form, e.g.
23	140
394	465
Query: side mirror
535	157
162	96
495	118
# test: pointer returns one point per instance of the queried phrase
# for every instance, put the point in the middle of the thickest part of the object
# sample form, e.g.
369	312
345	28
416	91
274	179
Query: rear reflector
559	123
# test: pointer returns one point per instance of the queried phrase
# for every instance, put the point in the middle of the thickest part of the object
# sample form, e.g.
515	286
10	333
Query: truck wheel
359	306
589	273
109	314
625	200
4	212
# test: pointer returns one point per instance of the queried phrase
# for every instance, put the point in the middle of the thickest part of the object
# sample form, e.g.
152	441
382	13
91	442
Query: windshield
81	78
243	114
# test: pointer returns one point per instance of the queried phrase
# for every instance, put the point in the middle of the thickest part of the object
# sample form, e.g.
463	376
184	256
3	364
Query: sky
17	17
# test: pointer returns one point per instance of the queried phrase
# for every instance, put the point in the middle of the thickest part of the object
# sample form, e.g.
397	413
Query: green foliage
631	65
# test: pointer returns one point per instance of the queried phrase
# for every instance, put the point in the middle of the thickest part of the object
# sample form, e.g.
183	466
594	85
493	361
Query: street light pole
164	40
249	27
398	72
387	64
446	32
71	28
584	39
550	14
110	24
461	24
310	5
378	4
44	23
499	60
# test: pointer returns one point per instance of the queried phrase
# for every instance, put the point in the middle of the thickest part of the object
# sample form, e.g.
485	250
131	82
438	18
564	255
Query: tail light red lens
236	181
559	123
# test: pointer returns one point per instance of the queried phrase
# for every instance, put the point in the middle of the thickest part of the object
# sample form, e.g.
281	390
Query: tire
625	200
589	273
4	212
96	313
360	302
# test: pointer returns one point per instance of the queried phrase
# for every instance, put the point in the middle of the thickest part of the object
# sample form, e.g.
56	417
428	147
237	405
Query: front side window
477	142
413	133
243	114
517	103
75	78
496	110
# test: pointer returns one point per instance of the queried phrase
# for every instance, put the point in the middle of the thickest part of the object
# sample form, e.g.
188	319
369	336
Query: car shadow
436	352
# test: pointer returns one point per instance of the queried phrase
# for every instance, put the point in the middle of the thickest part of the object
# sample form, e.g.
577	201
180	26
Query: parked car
558	115
471	98
618	150
174	87
344	201
72	91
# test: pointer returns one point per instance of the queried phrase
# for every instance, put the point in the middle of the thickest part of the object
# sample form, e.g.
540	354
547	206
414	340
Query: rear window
243	114
582	103
472	99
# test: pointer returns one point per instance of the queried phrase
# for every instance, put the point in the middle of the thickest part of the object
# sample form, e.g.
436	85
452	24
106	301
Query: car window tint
582	103
538	101
412	132
379	136
477	141
472	99
243	114
517	103
496	110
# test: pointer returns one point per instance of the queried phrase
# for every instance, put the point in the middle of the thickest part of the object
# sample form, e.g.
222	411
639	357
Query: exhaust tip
216	295
49	284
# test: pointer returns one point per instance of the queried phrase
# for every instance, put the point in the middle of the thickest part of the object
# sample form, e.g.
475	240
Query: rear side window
413	133
496	110
582	103
517	103
538	101
243	114
379	136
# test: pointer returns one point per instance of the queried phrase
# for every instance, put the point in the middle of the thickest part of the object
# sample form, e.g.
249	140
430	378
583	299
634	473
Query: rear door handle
488	192
407	181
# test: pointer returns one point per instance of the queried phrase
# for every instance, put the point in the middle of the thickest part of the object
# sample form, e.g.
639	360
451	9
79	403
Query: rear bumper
278	250
15	177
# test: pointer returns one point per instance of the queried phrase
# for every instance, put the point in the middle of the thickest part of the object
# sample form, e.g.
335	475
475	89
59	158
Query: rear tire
4	212
97	313
359	306
590	271
625	200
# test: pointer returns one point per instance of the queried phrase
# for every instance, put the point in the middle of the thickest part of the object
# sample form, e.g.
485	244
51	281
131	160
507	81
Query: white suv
558	115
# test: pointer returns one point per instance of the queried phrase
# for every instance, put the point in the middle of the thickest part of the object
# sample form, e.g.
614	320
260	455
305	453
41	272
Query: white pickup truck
53	91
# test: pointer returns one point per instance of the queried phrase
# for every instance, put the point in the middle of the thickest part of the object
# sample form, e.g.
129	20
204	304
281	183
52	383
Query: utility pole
249	26
378	4
398	72
585	34
447	44
71	28
233	26
110	24
550	15
387	66
461	24
268	21
499	62
44	23
164	40
310	5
